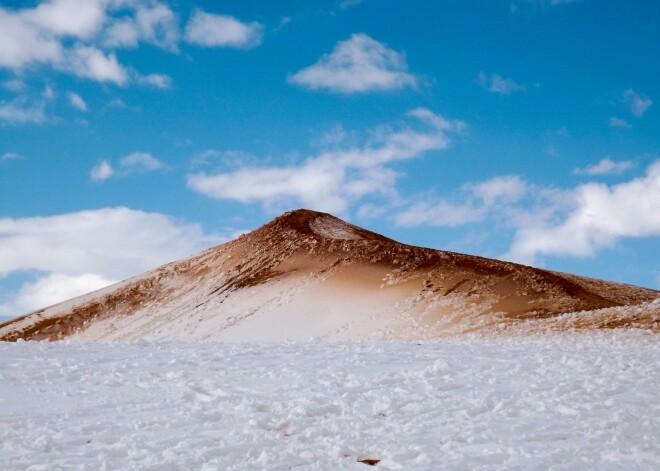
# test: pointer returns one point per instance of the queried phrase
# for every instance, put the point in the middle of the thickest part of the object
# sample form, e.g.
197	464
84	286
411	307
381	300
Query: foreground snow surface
586	401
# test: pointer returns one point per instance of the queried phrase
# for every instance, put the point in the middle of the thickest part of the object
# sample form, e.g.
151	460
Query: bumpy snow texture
560	402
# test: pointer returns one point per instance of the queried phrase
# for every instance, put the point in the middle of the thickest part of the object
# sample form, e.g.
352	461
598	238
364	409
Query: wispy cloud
140	161
161	81
516	5
102	171
357	65
499	190
439	214
77	101
209	30
349	3
619	123
10	156
22	110
137	162
604	167
636	103
335	178
15	85
473	203
495	83
551	150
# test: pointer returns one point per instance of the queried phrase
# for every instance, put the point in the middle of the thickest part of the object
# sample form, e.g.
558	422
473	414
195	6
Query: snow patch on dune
333	228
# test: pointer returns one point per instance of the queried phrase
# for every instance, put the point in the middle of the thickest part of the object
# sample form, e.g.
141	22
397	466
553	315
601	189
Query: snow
333	228
562	402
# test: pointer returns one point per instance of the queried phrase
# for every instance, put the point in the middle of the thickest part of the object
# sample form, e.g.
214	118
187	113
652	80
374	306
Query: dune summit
309	274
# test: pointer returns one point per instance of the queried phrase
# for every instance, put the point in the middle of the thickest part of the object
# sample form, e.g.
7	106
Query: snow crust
333	228
561	402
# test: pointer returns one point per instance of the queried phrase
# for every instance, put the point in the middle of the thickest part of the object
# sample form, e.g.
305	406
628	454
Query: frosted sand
586	401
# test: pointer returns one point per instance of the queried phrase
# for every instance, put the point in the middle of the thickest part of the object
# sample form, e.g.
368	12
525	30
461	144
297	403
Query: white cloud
207	29
439	214
140	161
506	188
475	201
51	289
85	250
161	81
137	162
574	222
114	242
71	18
551	150
637	104
92	63
158	24
357	65
598	216
619	123
285	20
333	179
48	93
77	101
122	33
21	110
336	135
21	42
102	171
79	37
36	35
152	22
604	167
10	156
14	85
537	4
496	84
349	3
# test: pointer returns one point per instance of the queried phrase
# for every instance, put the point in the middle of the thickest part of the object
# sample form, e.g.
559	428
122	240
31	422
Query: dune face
308	274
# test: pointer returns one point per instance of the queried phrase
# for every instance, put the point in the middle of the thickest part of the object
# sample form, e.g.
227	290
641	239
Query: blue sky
135	132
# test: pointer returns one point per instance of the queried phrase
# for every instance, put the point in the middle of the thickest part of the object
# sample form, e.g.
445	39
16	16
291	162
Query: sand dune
309	274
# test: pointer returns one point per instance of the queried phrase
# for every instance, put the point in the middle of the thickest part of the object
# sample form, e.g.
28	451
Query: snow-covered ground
579	401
